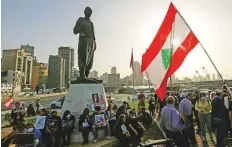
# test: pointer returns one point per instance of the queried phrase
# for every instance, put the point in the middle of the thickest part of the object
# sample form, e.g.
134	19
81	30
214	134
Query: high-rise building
104	78
7	77
35	74
114	70
43	73
138	77
207	77
56	72
113	80
213	77
21	63
28	49
75	74
93	74
67	53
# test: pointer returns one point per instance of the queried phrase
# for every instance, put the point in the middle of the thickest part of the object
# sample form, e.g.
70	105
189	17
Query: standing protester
196	99
225	98
100	120
219	115
44	138
230	117
53	129
185	109
68	122
17	115
37	103
203	106
84	125
152	104
141	98
171	123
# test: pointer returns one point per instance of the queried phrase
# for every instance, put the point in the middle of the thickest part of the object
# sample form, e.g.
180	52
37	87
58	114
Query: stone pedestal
79	97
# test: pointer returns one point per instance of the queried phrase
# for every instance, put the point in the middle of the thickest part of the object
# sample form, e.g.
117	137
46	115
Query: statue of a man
87	44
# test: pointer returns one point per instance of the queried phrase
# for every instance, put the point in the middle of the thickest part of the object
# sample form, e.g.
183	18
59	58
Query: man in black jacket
54	129
121	110
219	115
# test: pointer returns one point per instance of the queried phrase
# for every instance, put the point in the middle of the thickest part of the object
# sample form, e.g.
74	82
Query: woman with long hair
68	122
84	125
122	133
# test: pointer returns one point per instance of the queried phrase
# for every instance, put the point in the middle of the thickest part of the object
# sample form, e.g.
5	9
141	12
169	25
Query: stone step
77	136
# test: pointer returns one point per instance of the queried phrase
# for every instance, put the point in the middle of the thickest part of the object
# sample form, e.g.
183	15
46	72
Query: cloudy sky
119	26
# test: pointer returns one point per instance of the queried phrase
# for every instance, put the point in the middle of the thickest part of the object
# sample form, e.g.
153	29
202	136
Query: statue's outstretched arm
77	27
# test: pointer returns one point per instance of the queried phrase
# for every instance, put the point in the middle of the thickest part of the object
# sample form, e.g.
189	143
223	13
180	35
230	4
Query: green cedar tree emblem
166	57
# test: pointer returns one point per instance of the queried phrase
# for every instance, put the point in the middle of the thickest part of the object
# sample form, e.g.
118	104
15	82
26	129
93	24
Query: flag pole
202	47
171	46
133	73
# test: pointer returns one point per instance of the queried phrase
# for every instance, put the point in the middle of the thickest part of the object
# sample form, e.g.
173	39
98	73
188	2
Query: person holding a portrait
100	120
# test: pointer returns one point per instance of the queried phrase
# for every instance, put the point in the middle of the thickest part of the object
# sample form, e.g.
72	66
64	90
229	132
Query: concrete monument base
81	96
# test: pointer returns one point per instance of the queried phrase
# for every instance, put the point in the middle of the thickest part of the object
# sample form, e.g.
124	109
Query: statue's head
88	12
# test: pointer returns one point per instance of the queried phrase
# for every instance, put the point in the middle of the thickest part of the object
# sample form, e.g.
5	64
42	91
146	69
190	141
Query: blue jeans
205	119
95	132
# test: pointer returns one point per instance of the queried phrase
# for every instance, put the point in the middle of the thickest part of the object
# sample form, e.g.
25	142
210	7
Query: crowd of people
178	114
212	111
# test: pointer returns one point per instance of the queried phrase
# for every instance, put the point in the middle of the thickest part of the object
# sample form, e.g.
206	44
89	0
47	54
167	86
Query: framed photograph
91	107
100	119
95	98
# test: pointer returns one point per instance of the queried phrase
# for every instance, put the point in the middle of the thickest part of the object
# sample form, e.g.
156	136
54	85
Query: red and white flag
132	60
172	43
9	102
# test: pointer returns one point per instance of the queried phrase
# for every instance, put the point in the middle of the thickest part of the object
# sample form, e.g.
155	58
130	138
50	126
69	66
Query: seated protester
136	128
145	118
53	129
8	139
31	110
121	110
122	133
68	122
31	129
111	116
99	120
133	109
17	114
84	125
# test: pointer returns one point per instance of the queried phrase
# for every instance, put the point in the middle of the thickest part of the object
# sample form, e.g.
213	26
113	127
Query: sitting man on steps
99	120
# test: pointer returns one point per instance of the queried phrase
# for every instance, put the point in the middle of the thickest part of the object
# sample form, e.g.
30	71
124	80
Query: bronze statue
87	44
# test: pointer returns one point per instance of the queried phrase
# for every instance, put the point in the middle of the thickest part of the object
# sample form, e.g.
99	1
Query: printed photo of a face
95	98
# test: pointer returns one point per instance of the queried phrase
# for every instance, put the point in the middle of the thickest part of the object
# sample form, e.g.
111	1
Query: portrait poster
95	98
40	122
90	107
100	119
102	99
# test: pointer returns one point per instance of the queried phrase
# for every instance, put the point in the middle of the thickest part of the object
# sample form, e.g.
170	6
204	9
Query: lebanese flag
132	60
9	102
172	43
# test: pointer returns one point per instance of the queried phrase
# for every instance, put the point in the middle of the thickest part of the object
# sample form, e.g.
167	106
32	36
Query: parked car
56	104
